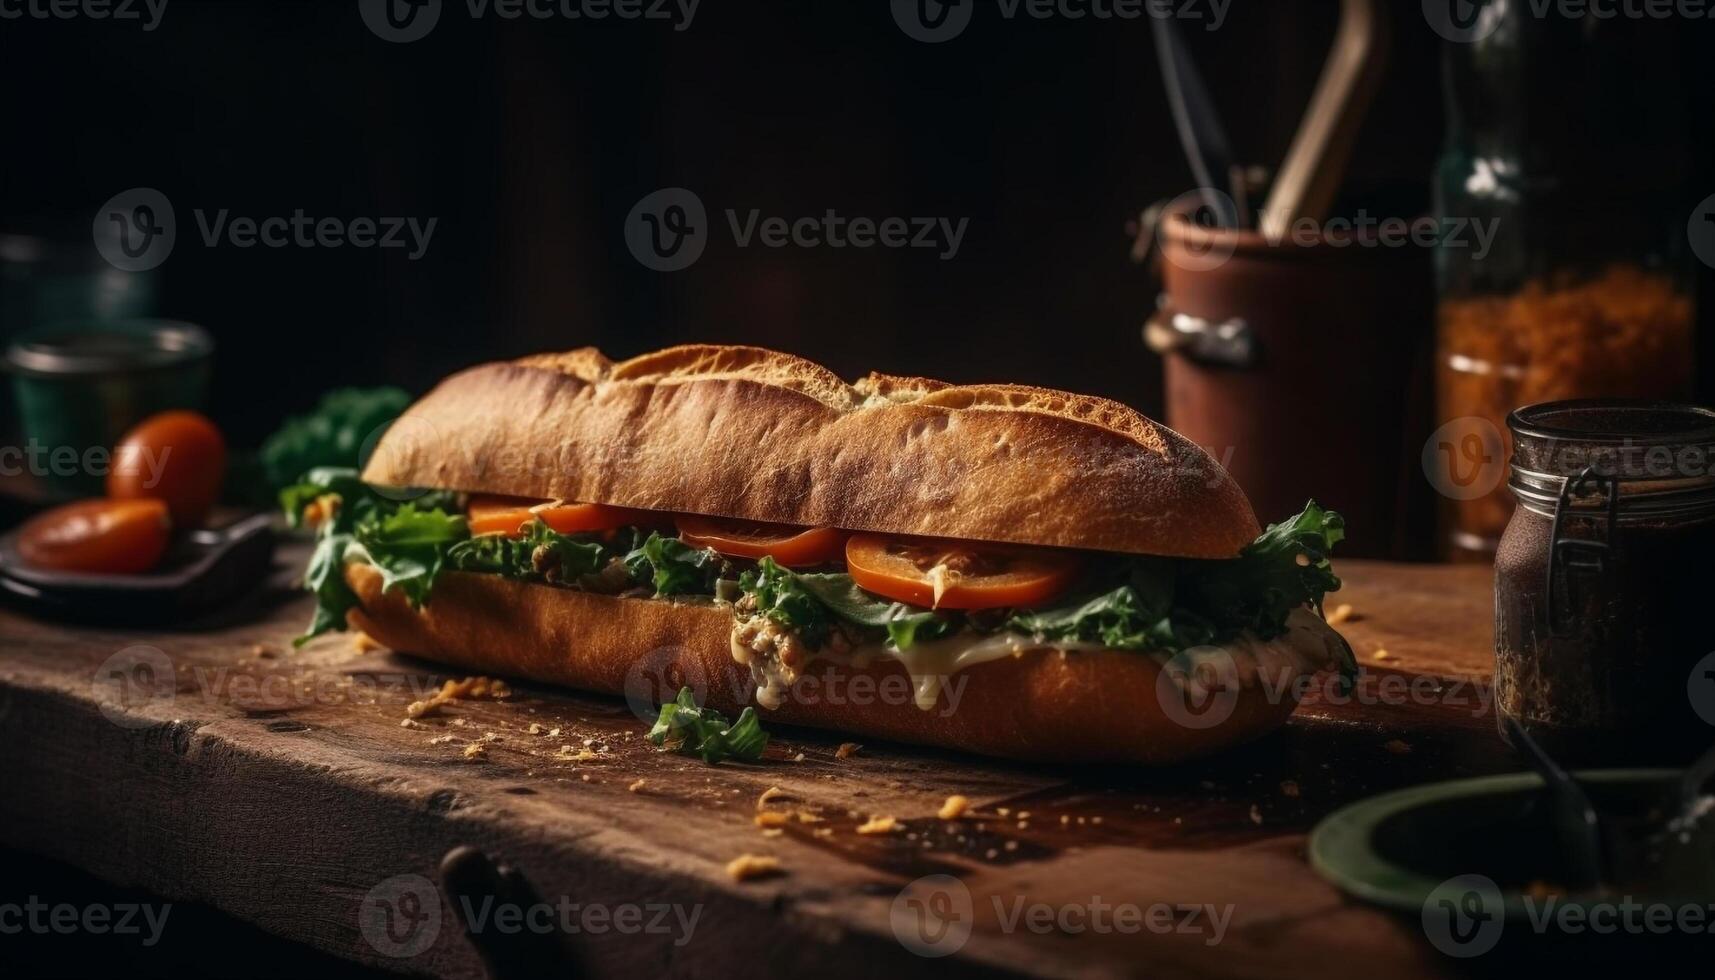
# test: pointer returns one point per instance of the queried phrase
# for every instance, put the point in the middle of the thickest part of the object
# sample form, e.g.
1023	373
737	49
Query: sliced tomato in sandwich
788	544
943	574
511	515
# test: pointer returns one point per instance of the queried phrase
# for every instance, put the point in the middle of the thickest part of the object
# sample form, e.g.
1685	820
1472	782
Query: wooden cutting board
285	788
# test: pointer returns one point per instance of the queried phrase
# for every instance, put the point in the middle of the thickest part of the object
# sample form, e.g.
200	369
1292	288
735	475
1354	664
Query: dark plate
201	571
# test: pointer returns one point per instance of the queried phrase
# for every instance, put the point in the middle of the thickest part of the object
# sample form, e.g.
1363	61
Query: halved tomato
788	544
511	515
944	574
115	537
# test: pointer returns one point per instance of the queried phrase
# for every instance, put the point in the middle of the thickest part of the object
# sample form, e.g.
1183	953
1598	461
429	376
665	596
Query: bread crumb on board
747	867
475	750
878	825
847	750
772	818
772	792
1340	614
636	787
954	808
470	688
1381	654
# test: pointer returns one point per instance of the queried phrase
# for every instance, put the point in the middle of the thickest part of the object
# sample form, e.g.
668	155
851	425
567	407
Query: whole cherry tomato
178	457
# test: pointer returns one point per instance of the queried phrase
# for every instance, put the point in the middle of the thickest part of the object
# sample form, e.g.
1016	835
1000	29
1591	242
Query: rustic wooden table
282	787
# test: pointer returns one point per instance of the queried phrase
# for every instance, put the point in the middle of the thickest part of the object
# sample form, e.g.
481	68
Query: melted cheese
1309	644
930	664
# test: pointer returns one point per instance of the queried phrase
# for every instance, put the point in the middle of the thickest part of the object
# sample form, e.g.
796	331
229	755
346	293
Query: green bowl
1475	862
1396	850
80	385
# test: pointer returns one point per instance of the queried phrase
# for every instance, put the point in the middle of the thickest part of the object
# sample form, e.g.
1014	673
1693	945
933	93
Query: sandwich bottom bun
1047	705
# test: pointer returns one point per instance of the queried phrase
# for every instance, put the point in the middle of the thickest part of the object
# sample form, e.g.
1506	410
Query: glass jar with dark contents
1605	580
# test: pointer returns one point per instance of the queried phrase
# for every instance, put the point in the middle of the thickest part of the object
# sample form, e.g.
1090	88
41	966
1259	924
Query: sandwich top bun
752	434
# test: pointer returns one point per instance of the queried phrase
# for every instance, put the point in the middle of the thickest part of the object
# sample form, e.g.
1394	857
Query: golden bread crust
1084	706
749	433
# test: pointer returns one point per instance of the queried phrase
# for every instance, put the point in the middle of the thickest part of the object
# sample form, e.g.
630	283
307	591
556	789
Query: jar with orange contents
1564	169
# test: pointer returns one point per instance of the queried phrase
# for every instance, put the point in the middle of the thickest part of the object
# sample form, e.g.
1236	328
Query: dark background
531	140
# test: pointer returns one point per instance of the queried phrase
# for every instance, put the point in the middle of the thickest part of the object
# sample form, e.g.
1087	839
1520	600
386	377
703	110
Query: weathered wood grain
282	788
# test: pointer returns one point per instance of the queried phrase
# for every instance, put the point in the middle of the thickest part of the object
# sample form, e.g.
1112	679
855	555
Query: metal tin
80	386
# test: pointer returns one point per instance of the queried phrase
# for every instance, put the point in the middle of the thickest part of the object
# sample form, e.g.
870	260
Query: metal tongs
1583	837
1570	811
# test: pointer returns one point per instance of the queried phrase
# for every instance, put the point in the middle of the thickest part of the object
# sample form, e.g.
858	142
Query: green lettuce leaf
326	578
685	728
674	567
1287	567
541	554
409	546
782	597
406	540
1171	605
809	603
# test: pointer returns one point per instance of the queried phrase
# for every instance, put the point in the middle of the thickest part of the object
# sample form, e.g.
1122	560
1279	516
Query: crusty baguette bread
1083	706
749	433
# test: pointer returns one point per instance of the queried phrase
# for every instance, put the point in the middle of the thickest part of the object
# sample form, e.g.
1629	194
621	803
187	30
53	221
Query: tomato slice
114	537
511	515
788	544
944	574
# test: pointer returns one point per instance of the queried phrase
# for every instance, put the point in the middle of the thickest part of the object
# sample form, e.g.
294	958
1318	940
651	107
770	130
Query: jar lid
1657	455
1620	438
107	347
